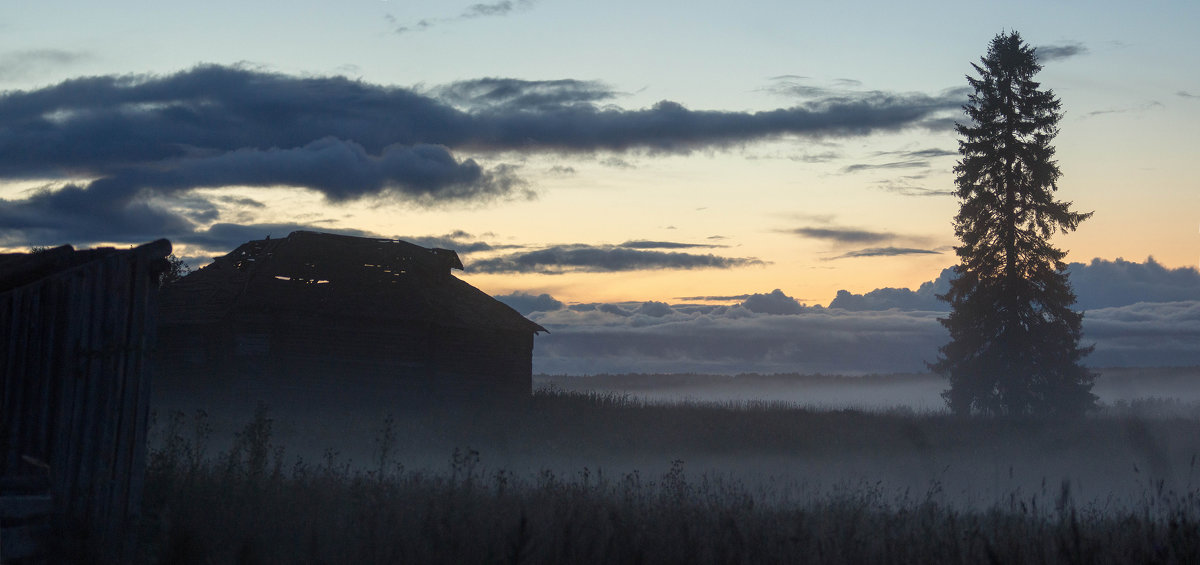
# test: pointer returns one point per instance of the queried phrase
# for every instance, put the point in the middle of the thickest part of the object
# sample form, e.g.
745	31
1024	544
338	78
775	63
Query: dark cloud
823	157
242	202
20	64
617	163
614	310
774	302
909	164
1145	334
1146	106
97	124
654	309
143	203
527	303
643	244
907	160
905	188
884	252
1186	94
493	9
459	241
483	10
844	235
728	298
803	87
942	124
1103	284
508	93
929	153
150	140
842	90
226	237
1047	53
340	170
1098	284
593	259
925	298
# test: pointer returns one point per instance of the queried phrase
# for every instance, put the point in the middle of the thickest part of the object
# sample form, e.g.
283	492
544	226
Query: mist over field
918	392
806	435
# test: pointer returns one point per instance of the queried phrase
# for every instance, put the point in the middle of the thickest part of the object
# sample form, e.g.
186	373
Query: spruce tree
1014	339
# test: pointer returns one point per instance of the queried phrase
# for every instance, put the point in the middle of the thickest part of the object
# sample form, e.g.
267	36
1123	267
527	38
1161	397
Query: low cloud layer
578	258
732	340
1098	284
134	148
1141	314
528	303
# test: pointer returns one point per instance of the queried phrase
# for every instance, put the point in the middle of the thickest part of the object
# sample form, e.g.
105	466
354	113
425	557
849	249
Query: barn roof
309	273
20	269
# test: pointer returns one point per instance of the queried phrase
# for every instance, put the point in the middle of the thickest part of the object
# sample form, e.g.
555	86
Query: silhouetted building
317	311
74	398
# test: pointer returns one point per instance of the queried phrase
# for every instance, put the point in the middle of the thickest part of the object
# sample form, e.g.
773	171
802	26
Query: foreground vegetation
256	503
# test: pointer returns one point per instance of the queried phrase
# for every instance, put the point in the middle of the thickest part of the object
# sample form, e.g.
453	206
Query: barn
325	312
74	399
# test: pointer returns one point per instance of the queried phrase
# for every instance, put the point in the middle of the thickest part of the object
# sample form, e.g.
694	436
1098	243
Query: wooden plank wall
75	395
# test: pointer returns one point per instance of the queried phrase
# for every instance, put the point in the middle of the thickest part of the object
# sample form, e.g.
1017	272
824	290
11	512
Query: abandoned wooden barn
319	310
74	398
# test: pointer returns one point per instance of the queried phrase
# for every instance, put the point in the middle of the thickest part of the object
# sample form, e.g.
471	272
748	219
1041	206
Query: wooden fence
75	395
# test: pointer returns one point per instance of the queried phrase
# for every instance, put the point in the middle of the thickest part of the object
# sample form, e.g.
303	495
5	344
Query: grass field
577	477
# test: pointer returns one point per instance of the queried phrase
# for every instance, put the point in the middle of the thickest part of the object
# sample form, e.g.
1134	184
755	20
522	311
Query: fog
785	437
917	392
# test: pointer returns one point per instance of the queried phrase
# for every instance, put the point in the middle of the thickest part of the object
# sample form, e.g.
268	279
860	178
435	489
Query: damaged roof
340	276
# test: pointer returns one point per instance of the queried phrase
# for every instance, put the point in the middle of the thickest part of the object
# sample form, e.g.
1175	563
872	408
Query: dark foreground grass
251	504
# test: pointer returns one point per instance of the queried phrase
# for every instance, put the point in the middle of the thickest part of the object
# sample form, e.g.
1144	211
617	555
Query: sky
621	154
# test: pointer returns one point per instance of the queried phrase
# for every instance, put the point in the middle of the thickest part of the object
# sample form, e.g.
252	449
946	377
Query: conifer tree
1014	339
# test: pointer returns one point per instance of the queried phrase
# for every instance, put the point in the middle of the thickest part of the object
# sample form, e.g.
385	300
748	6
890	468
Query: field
606	477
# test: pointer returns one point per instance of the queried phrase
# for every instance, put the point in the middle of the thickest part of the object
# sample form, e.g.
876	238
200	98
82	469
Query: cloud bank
528	303
134	148
1138	314
1098	284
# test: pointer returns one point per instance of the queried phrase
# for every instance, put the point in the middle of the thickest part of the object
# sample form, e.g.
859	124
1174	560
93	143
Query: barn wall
75	392
292	354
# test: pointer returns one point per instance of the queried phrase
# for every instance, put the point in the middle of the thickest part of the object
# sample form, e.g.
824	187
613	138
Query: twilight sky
598	153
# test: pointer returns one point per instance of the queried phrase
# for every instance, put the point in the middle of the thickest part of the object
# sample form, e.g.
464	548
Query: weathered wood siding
316	352
75	392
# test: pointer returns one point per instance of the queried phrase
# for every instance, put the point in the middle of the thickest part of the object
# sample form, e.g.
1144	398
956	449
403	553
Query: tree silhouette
177	268
1014	339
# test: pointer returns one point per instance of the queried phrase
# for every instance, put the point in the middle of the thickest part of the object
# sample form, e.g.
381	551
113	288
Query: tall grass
256	503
